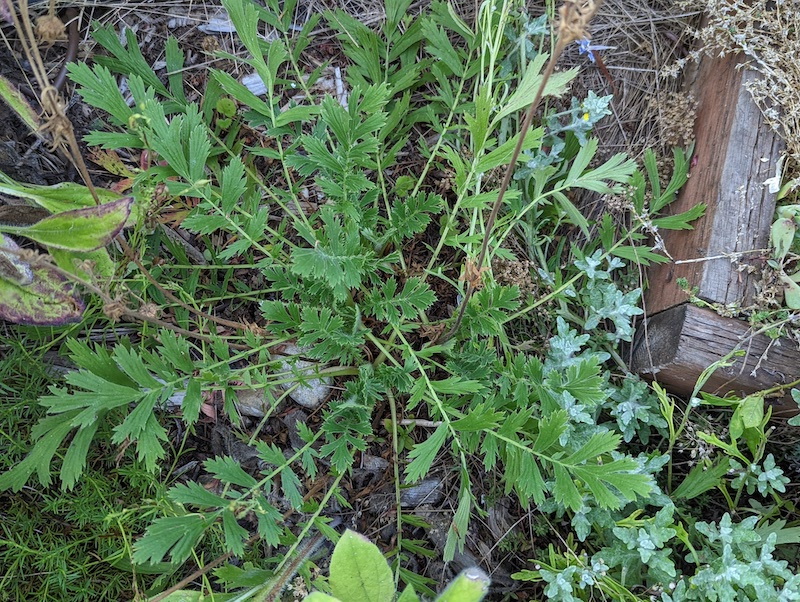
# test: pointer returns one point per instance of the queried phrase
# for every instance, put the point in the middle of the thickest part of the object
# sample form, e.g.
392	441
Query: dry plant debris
645	37
767	33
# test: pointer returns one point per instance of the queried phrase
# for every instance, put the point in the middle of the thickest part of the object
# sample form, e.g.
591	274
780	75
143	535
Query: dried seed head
473	275
575	16
114	310
50	29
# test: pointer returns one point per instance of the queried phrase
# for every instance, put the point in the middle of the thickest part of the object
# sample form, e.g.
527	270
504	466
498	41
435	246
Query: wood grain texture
734	153
674	347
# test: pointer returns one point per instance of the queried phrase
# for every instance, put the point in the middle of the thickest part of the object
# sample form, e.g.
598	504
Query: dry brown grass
648	36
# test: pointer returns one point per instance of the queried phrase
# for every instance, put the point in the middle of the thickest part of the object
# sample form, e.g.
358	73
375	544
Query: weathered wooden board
676	345
734	154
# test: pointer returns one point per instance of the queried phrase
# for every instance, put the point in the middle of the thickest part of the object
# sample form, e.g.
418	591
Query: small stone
428	491
290	420
252	402
311	392
373	463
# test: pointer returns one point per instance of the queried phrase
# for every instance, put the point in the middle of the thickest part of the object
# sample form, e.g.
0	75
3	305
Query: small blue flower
585	47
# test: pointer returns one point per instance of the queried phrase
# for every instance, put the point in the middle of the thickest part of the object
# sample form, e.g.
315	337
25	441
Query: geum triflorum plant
343	281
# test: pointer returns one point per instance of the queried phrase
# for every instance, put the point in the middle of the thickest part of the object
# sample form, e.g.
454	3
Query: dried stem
574	18
57	124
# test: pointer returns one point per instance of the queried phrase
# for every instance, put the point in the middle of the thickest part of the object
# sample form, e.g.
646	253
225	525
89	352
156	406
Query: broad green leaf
680	171
618	168
228	470
96	397
99	88
142	426
639	255
681	221
784	534
245	18
359	572
302	114
484	200
47	301
752	410
199	148
173	535
564	490
796	397
241	93
320	597
100	261
290	484
53	430
481	417
234	533
134	366
457	533
583	380
551	428
408	595
527	88
581	161
651	167
619	474
439	46
175	73
502	154
573	214
79	229
791	294
192	401
394	307
730	449
412	215
194	493
126	59
600	443
75	458
456	385
56	198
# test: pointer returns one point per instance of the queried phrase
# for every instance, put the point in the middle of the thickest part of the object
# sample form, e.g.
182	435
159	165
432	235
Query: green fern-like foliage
365	278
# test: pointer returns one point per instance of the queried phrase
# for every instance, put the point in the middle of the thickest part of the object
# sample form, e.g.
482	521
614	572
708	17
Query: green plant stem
472	283
396	468
291	561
